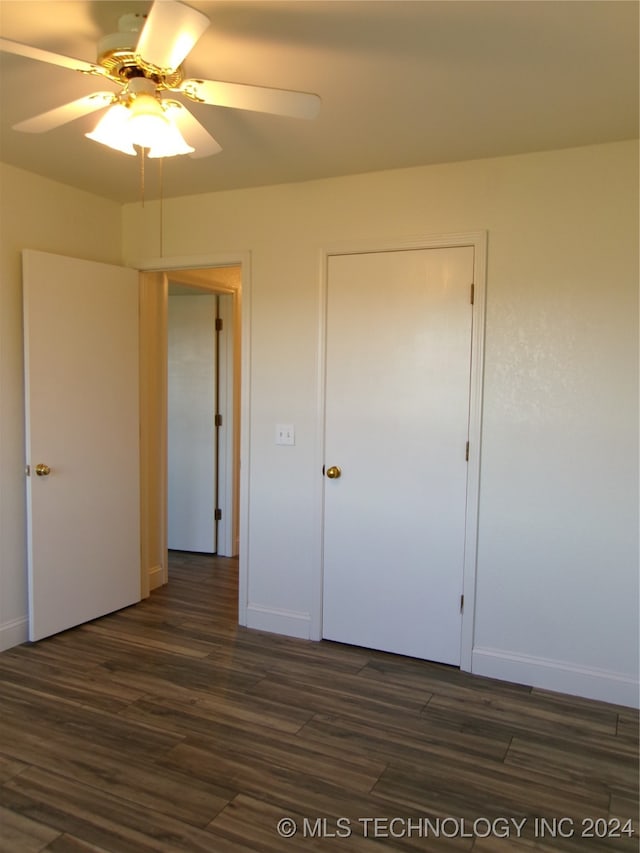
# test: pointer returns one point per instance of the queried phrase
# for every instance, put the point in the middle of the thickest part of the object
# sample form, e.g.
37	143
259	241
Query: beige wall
557	568
34	214
557	577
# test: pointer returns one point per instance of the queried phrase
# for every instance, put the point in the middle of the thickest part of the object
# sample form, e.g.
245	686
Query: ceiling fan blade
8	46
260	99
66	113
169	33
193	132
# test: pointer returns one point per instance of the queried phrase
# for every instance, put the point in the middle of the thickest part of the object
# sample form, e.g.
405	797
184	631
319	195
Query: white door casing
82	415
401	383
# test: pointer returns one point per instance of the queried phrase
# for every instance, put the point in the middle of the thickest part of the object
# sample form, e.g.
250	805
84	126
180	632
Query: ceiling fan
144	58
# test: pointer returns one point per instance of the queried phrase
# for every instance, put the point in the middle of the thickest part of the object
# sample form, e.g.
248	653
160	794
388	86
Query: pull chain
142	176
161	183
161	175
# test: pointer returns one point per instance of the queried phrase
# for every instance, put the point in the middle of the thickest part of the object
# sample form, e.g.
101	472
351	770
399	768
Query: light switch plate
285	434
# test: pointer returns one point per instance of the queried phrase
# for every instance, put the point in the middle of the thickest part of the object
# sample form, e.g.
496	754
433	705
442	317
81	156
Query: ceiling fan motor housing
117	55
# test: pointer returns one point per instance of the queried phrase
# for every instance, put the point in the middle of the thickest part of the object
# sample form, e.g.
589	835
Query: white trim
221	259
478	240
317	547
225	543
475	441
187	262
245	441
291	623
561	676
14	633
399	244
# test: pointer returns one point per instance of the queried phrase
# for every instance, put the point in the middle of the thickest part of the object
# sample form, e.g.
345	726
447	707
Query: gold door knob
334	472
43	470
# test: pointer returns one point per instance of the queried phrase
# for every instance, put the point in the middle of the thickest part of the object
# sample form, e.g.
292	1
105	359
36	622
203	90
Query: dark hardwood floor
165	727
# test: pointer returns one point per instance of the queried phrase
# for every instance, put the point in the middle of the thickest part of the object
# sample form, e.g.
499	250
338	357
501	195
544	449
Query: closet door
396	427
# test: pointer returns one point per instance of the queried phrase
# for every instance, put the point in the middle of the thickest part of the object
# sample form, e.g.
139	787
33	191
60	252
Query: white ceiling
401	83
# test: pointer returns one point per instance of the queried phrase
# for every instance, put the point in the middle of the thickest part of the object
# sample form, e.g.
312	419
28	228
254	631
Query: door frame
478	241
154	275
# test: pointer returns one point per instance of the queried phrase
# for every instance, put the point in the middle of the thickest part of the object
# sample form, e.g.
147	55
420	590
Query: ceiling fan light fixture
144	123
112	130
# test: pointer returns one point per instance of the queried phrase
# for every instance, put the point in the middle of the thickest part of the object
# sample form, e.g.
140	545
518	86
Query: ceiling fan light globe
147	121
146	130
170	143
112	130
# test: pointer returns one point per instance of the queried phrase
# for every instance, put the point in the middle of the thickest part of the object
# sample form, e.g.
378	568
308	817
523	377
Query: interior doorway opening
224	283
203	464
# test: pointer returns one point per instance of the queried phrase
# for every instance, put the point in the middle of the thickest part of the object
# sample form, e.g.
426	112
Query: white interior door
192	395
82	413
397	420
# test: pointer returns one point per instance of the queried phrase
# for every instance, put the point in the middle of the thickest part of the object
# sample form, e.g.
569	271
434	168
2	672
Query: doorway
202	507
224	284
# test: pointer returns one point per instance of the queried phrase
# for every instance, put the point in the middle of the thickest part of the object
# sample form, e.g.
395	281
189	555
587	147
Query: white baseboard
287	622
560	676
156	577
13	633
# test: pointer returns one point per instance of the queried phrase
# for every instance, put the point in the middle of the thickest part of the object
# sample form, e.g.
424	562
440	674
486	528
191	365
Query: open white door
82	413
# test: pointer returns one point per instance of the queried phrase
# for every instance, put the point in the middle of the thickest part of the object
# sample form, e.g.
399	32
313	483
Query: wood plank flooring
165	727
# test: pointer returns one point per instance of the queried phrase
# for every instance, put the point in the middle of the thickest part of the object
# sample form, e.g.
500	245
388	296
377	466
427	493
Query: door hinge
473	293
218	324
466	453
217	515
462	604
217	421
